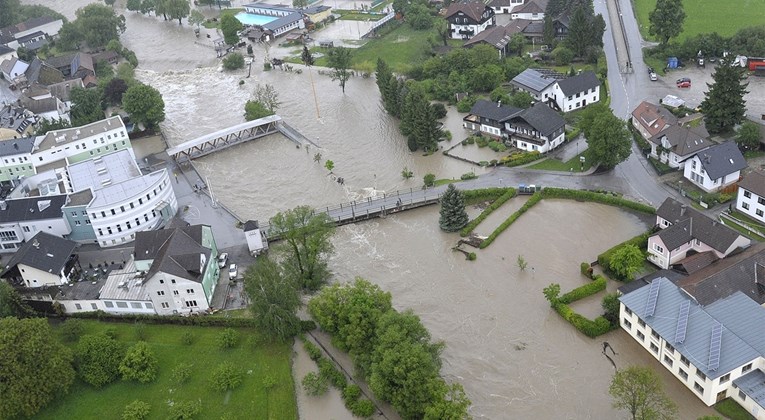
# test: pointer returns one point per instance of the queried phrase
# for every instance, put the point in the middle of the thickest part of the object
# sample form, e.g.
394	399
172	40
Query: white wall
51	29
121	306
34	277
700	178
755	204
57	227
528	16
571	103
162	289
74	306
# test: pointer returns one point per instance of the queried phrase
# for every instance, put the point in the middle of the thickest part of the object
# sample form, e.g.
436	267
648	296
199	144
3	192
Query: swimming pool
253	19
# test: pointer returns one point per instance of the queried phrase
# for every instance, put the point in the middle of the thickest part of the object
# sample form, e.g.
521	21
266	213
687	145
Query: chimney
15	146
3	205
36	243
499	104
682	210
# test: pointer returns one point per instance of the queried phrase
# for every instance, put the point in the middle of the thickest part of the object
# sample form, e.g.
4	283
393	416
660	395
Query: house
39	72
576	92
50	108
538	83
45	260
504	6
109	57
561	25
469	18
33	41
716	350
495	36
489	117
73	66
676	144
536	129
685	232
13	68
46	25
256	238
7	53
649	119
317	14
750	199
15	122
716	167
181	266
23	218
531	10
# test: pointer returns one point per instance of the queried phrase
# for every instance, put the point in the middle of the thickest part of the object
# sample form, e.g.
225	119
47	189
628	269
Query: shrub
140	331
604	259
233	61
225	377
484	194
315	385
97	358
502	199
307	325
187	338
136	410
471	256
363	408
429	180
481	142
313	351
583	291
586	270
110	332
439	109
328	370
184	410
72	329
597	197
465	104
610	306
522	158
351	394
139	364
181	373
227	339
468	176
590	328
562	56
510	220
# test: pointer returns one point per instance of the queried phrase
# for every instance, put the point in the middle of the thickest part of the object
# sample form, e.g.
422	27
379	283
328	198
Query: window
627	310
758	212
9	235
627	324
683	374
760	200
87	221
190	303
122	208
641	336
113	212
108	304
668	360
655	335
140	201
190	291
103	214
669	348
747	194
741	395
161	281
160	292
654	348
745	206
658	248
175	292
78	306
725	378
746	368
698	388
135	305
74	214
641	322
172	281
149	305
701	375
132	206
693	164
93	306
122	304
25	229
165	305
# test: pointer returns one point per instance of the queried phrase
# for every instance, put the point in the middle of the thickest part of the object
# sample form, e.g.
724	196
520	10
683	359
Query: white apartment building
751	196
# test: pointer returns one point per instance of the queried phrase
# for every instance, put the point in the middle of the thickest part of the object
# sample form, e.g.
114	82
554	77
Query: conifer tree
724	104
453	215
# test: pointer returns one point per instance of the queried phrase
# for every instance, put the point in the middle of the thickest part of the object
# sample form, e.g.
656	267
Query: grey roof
493	110
68	135
496	36
44	252
5	50
250	225
174	251
753	385
542	118
315	9
80	198
32	208
80	290
722	159
534	80
754	182
532	6
684	141
16	146
126	284
579	83
60	61
283	21
63	90
39	106
472	9
688	223
739	272
42	73
27	37
28	24
741	319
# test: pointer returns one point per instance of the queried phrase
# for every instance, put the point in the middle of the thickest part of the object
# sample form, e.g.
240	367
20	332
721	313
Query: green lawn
211	24
551	164
249	401
400	48
707	16
732	410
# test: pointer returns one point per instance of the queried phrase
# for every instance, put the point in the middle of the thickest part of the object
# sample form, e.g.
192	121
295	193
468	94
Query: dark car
684	79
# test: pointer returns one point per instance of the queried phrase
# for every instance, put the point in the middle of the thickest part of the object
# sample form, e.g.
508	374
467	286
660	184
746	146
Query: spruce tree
724	104
383	76
453	215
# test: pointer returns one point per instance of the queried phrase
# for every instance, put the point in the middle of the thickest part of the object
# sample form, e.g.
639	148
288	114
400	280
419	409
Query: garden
201	372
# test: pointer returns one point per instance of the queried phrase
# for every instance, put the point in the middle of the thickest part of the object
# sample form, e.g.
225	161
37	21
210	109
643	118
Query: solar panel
682	321
653	295
714	347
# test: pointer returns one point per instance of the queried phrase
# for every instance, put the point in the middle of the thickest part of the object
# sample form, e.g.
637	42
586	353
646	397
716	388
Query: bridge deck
226	137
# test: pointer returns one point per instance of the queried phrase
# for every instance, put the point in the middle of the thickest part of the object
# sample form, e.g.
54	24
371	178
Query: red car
684	84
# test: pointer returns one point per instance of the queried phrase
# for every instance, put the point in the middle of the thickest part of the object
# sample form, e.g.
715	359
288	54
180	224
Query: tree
306	57
626	261
139	364
233	61
178	9
196	18
748	136
452	404
521	99
609	140
254	110
11	303
579	34
98	24
266	95
315	385
339	60
723	105
86	106
453	215
114	90
306	244
148	6
227	339
552	292
610	305
136	410
226	377
97	358
230	26
548	31
429	180
274	299
638	390
399	6
300	4
418	17
443	29
10	15
35	369
666	20
45	125
133	5
419	122
110	3
499	95
516	44
144	104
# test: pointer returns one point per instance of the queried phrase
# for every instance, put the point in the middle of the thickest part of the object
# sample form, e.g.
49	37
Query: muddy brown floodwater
515	357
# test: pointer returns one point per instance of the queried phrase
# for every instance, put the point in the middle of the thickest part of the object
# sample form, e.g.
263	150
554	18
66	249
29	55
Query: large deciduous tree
133	5
274	299
453	216
306	244
638	390
266	94
140	364
114	90
144	104
178	9
339	60
10	300
196	18
98	24
230	26
608	139
748	136
626	261
452	405
666	20
34	367
724	106
97	358
86	106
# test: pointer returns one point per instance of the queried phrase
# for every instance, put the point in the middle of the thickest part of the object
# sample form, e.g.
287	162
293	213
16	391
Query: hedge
510	220
483	194
597	197
196	320
590	328
522	159
510	193
581	292
604	259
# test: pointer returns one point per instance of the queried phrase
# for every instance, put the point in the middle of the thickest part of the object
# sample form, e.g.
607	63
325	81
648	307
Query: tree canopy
230	26
140	364
723	105
585	31
607	136
418	120
144	104
14	12
627	261
748	136
177	9
96	25
339	60
638	390
10	300
254	110
666	20
98	358
86	106
274	299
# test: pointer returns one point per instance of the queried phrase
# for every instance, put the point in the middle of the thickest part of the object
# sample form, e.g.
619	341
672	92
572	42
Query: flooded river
515	357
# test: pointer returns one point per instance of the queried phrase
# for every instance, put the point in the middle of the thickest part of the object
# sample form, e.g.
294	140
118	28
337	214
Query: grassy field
732	410
249	401
707	16
400	48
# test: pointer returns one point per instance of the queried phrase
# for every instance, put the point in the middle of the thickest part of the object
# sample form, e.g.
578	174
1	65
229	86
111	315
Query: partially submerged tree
254	110
266	94
627	261
638	390
452	216
177	9
144	104
274	299
230	26
196	18
339	60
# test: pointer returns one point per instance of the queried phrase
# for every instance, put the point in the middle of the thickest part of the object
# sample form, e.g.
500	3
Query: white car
222	260
653	76
233	271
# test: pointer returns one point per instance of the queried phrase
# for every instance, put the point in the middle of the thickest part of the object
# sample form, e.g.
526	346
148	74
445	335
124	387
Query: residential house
23	218
73	66
536	129
50	108
7	53
15	159
504	6
109	57
46	25
39	72
61	90
489	117
576	92
539	83
650	119
15	122
317	14
495	36
716	350
716	167
531	10
13	68
685	232
45	260
676	144
469	18
750	199
33	41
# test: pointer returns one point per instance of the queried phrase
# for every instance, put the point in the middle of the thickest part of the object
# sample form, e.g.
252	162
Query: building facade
750	198
467	19
715	168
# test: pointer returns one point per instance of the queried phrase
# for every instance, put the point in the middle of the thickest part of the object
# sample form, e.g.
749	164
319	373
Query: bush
328	370
581	292
604	259
233	61
510	193
522	158
139	364
351	394
187	338
590	328
468	176
225	377
481	141
227	339
439	109
484	194
471	256
586	270
562	56
597	197
136	410
184	410
181	373
465	104
315	385
313	351
97	358
429	180
72	329
510	220
307	325
363	408
610	306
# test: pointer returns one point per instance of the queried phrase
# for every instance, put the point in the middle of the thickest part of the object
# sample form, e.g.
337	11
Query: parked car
233	271
684	79
653	76
684	84
222	260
